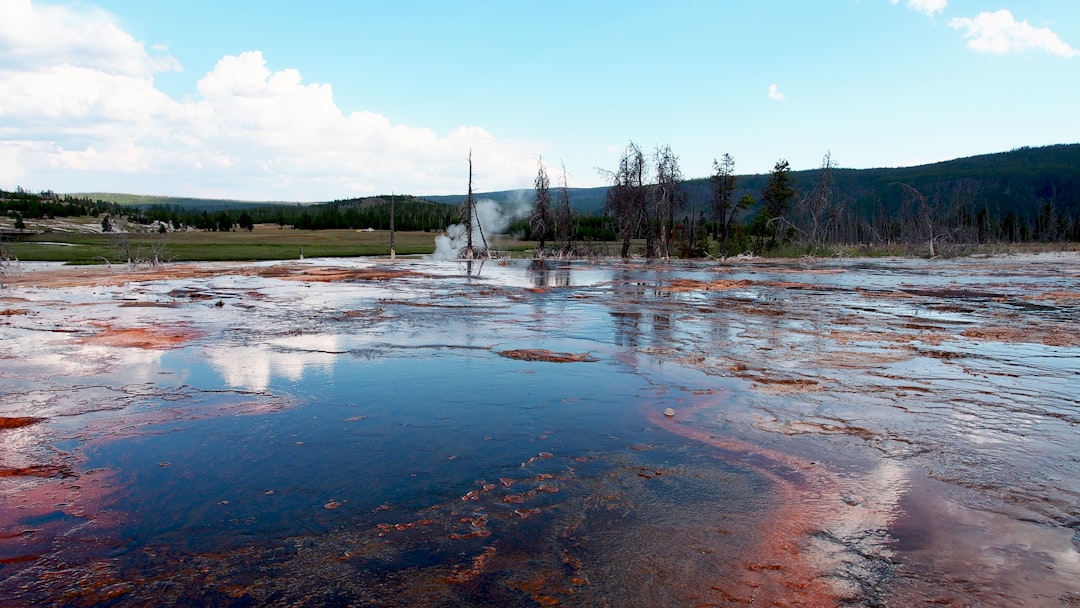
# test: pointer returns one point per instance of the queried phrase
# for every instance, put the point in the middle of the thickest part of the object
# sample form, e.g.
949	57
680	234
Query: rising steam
490	216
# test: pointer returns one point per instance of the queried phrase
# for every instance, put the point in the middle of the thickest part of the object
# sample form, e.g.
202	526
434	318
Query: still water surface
843	433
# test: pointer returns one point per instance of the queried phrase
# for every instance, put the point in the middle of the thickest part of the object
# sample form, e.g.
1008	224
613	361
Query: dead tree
9	262
920	220
626	201
814	210
471	223
467	210
564	216
158	249
666	195
723	206
121	244
541	219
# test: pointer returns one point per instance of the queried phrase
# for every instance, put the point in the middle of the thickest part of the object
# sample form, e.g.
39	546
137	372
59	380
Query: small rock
669	412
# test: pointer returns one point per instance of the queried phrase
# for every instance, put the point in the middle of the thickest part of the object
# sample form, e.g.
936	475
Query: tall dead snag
814	211
666	195
564	216
393	253
8	260
626	197
920	220
723	206
541	220
467	209
472	224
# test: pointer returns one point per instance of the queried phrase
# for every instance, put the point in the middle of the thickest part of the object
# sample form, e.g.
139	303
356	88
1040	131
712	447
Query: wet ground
840	432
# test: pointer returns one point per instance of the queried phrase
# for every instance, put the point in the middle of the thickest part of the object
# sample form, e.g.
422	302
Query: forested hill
181	202
1019	181
1020	184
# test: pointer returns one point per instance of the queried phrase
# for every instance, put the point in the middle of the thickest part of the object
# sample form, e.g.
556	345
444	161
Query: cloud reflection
254	367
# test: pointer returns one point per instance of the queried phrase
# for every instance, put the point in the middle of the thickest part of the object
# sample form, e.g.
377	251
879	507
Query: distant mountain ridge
1019	181
184	202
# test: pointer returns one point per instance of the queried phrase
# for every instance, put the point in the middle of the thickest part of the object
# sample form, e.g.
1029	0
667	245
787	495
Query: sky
311	101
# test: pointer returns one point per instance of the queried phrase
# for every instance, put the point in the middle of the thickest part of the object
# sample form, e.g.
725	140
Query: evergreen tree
778	194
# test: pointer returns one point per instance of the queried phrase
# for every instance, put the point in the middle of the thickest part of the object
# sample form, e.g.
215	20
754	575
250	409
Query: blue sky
276	100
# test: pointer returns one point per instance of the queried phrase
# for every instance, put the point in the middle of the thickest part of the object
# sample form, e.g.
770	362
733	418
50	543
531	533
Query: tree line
648	201
1025	195
410	214
23	205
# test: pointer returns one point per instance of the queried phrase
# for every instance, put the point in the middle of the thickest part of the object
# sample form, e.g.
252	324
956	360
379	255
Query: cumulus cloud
925	6
84	37
79	110
999	32
774	93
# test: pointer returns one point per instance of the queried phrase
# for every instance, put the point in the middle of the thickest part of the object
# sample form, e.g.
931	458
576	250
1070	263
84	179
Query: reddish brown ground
683	285
780	570
157	337
86	276
1043	335
17	421
540	354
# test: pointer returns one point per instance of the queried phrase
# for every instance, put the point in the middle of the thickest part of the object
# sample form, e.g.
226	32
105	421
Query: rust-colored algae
778	570
778	565
157	337
317	274
85	276
1033	335
15	422
37	470
540	354
684	285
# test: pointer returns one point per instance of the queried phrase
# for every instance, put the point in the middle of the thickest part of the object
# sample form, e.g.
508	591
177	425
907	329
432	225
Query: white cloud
999	32
774	93
925	6
928	6
79	110
35	35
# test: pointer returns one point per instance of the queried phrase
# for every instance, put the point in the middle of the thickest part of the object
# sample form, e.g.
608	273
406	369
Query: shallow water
846	432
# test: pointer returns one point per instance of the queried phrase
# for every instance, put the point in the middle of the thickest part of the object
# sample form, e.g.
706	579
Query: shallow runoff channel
542	433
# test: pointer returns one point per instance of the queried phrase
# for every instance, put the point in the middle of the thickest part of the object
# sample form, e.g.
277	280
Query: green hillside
1019	181
197	204
1027	194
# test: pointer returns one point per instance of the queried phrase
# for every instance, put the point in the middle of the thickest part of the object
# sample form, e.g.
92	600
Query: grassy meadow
265	242
76	244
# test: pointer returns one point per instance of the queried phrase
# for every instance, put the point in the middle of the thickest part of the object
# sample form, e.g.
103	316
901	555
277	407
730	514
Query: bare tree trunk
467	216
564	216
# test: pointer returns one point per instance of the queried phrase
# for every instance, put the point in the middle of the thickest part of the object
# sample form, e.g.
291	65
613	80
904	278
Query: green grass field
266	242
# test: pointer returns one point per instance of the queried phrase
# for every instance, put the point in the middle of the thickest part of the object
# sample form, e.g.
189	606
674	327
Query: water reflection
254	367
365	436
546	273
